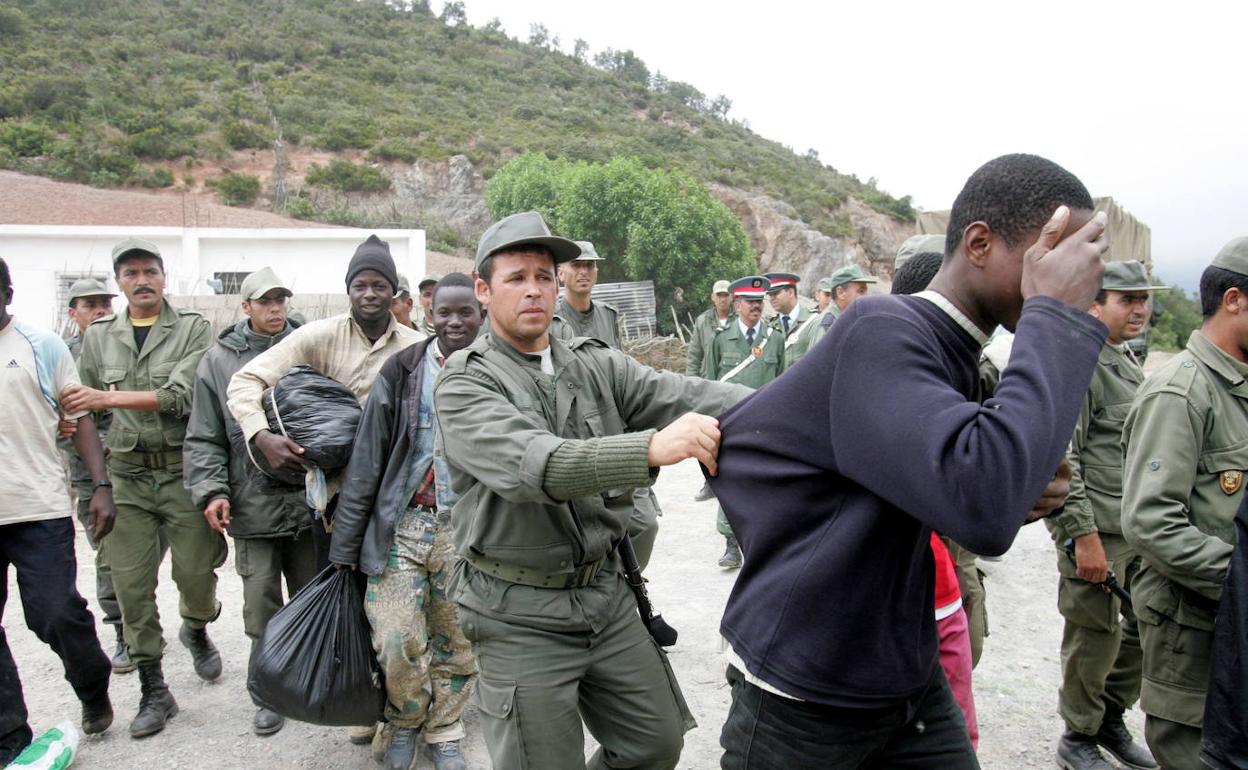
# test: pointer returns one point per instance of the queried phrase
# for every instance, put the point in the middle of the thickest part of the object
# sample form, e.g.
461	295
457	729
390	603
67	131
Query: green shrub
345	176
157	177
26	140
237	189
242	135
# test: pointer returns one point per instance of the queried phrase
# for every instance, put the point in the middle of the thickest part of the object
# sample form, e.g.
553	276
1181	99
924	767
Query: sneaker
401	753
446	756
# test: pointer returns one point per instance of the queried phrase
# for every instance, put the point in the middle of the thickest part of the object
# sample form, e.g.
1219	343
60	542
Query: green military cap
404	287
824	285
780	280
522	229
749	287
431	278
588	252
88	287
916	245
1128	275
262	282
135	247
720	287
1234	256
849	274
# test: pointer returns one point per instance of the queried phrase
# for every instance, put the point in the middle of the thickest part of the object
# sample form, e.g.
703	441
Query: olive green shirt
705	327
601	322
1186	453
820	329
729	348
1095	453
111	361
802	324
544	467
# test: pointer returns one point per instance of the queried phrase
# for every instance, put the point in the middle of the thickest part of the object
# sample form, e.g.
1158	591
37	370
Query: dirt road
1015	684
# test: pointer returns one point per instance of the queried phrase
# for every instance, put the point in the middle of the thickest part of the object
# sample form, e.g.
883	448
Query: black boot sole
170	713
1125	763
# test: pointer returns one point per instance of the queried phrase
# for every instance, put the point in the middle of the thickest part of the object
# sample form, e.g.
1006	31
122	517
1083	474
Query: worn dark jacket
210	467
378	484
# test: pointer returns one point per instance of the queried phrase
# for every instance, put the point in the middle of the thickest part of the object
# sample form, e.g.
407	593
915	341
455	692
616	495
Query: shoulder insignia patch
1231	481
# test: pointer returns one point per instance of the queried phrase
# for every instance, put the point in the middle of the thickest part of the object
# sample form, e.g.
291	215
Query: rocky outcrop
785	243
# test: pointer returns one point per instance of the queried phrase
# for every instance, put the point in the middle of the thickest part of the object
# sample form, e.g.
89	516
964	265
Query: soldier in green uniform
847	285
546	441
823	295
140	364
1100	649
424	290
89	301
402	304
792	320
577	315
709	322
749	353
1183	481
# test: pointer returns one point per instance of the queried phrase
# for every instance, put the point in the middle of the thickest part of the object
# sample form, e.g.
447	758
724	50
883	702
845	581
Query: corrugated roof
635	303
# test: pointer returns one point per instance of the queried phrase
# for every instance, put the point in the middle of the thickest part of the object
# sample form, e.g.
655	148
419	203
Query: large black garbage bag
1224	743
315	661
315	412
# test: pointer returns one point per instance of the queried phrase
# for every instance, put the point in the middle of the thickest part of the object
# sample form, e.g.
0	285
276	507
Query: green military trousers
1176	637
263	563
1101	655
536	686
146	498
643	525
721	522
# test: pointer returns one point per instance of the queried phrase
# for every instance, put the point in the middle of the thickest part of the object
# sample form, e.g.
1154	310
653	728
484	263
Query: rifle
664	634
1111	583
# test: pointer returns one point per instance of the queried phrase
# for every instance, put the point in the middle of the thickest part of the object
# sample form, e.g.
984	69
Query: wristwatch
105	483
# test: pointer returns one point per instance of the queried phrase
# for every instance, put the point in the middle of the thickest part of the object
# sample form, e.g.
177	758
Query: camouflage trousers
428	664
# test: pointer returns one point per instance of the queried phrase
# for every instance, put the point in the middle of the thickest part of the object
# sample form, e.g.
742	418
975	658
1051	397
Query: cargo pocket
501	722
686	716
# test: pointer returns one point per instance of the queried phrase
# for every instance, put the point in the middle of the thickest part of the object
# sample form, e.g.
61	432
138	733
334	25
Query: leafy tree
1179	317
650	224
720	106
626	64
539	35
454	14
580	50
237	189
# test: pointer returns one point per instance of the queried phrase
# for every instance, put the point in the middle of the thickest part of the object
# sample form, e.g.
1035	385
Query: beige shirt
336	347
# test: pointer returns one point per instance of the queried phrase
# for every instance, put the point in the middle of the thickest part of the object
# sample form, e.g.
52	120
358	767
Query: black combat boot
1116	739
1076	751
121	657
732	554
156	704
97	716
203	652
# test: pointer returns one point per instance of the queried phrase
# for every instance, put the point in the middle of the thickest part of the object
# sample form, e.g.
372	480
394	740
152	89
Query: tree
580	50
454	14
1179	317
539	35
626	64
493	27
720	106
650	224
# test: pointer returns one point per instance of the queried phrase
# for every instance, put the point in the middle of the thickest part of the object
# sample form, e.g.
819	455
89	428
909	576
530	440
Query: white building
45	259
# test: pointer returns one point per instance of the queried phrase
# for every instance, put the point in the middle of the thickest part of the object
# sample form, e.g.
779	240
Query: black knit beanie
374	254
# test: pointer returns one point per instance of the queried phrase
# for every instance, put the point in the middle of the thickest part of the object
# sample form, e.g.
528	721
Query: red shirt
946	576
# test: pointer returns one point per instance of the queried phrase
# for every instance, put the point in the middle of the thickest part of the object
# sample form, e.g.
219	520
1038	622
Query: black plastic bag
1224	737
315	412
315	660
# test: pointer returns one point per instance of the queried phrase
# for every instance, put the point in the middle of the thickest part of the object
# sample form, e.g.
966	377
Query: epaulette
189	311
579	342
1182	376
104	319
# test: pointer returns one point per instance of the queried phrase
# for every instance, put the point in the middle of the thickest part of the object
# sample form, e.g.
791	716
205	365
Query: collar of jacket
1230	370
241	337
410	357
560	354
124	330
1116	358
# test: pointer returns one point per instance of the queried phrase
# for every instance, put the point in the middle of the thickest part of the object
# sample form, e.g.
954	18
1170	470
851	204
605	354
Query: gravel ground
1015	684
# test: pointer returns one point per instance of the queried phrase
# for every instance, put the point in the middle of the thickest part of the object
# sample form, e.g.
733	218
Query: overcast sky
1146	104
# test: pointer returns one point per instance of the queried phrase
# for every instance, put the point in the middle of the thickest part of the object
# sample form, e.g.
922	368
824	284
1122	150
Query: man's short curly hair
1014	195
917	273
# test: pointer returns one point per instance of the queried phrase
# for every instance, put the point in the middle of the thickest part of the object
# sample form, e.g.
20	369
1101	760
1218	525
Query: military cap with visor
1234	256
916	245
589	253
524	229
136	248
781	280
849	274
260	283
88	287
1127	275
428	279
720	287
824	285
404	288
749	287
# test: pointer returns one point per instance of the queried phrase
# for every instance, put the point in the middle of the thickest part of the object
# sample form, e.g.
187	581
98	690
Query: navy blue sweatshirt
833	476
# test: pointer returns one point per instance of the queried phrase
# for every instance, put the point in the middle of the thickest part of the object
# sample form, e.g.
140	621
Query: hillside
166	93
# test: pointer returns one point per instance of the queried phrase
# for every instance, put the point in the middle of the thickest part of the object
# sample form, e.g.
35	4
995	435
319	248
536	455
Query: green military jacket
601	322
111	361
729	348
1095	454
502	419
1186	445
822	324
802	326
705	327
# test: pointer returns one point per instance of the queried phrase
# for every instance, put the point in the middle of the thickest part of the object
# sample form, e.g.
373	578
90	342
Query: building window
228	283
